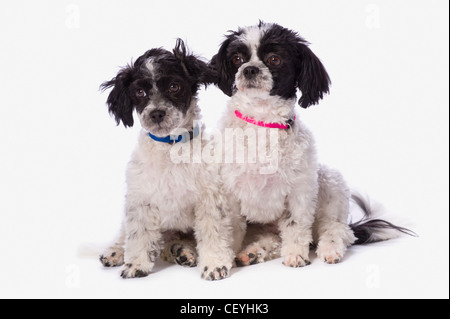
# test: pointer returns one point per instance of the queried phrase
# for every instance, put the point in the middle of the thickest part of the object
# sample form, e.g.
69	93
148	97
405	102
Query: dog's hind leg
334	238
262	243
180	249
332	233
113	256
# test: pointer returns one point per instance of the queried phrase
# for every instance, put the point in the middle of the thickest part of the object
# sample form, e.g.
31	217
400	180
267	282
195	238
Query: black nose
250	72
157	116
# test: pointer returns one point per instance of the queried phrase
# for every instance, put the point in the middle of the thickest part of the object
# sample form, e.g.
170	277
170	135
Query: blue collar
173	139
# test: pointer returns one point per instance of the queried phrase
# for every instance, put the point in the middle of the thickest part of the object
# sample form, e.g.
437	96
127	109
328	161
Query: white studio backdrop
62	166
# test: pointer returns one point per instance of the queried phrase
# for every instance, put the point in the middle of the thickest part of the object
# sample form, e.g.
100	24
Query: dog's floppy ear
119	102
220	66
192	65
313	80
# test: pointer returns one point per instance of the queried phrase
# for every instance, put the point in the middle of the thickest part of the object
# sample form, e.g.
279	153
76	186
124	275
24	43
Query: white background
384	125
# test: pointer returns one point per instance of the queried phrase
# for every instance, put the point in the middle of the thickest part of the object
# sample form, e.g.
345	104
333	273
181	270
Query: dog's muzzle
254	75
251	72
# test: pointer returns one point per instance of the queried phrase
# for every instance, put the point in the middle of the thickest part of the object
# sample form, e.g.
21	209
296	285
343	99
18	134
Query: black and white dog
261	68
164	196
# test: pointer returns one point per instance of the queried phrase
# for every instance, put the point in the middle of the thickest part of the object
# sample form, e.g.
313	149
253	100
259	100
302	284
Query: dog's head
272	59
161	86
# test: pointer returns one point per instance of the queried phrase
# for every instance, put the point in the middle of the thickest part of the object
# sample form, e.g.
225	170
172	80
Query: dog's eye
238	60
140	93
174	88
274	60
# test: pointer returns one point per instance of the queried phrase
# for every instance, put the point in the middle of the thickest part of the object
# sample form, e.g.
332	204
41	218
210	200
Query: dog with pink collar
297	202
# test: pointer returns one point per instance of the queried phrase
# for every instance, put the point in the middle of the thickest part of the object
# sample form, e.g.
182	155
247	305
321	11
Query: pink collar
264	124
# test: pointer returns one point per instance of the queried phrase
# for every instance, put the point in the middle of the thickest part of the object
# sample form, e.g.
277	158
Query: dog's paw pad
133	271
245	259
112	259
185	256
296	261
215	273
250	256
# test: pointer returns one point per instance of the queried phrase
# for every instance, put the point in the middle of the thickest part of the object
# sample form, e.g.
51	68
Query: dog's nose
157	116
250	72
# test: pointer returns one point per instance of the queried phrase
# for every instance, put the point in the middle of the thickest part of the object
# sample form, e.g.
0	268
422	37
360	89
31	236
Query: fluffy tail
370	230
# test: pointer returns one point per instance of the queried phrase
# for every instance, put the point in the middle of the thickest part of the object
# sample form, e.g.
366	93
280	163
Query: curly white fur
163	196
308	201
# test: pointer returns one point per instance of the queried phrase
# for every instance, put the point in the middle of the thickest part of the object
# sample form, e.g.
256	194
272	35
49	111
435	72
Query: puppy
165	197
299	201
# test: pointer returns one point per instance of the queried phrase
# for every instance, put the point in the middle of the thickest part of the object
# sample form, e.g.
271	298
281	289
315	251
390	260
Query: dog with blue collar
168	204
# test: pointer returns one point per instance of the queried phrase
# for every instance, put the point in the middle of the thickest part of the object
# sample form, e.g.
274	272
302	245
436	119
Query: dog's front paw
112	257
135	271
215	273
296	261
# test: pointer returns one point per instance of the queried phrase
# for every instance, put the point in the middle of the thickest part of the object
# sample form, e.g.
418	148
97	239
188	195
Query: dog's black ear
119	102
220	66
193	66
313	80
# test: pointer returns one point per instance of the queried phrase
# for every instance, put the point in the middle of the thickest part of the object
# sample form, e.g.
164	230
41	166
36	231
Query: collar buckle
174	139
